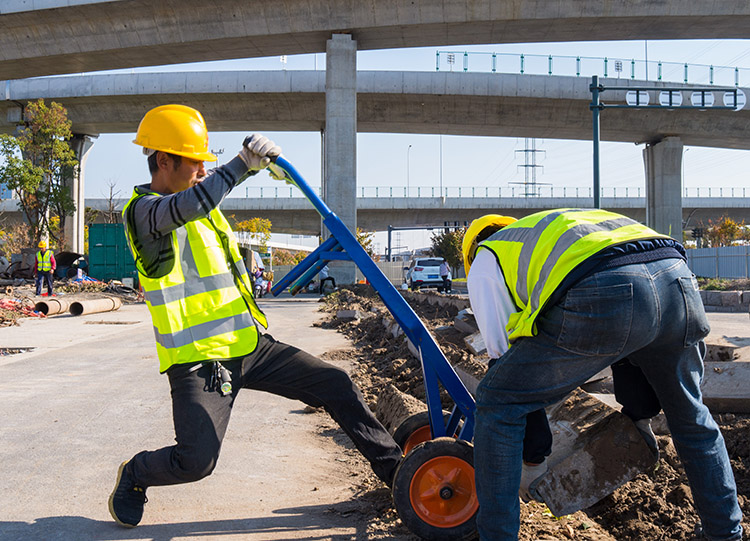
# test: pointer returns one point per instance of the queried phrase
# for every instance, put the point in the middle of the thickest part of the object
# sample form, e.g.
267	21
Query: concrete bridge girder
54	36
485	104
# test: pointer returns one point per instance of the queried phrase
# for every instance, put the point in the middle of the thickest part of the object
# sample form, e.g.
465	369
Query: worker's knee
339	380
195	464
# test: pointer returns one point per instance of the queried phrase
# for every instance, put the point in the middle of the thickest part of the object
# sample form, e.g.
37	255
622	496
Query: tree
447	244
259	230
285	257
36	163
365	238
724	232
112	215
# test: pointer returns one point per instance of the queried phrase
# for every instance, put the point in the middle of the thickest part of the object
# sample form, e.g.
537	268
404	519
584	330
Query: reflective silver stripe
204	330
528	236
565	241
195	286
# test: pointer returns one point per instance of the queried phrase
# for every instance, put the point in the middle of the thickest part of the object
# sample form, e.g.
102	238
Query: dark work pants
324	280
446	283
201	414
43	278
632	391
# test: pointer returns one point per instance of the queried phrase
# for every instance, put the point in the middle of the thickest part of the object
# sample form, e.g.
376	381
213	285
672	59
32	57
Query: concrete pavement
90	396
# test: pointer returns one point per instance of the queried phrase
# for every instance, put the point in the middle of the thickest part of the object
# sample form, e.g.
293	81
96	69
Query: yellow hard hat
42	244
479	230
176	129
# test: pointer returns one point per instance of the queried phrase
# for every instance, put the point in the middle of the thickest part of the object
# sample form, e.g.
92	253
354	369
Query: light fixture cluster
700	99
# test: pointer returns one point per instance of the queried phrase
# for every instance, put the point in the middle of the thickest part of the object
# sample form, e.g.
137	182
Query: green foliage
285	257
35	164
365	238
258	228
447	244
725	232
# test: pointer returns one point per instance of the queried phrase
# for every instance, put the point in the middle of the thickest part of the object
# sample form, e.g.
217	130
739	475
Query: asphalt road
89	395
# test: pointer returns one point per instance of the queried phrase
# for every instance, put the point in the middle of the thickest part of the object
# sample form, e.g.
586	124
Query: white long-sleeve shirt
491	302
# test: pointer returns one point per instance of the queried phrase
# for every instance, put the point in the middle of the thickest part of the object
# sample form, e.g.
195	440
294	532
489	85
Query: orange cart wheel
434	491
415	429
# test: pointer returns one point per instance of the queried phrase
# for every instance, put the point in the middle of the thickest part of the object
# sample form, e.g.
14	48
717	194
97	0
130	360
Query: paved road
89	396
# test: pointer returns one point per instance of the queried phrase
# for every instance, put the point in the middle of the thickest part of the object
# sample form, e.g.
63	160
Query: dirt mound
658	505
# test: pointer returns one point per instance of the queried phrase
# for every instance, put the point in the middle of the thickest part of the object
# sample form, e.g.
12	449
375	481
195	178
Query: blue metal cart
433	490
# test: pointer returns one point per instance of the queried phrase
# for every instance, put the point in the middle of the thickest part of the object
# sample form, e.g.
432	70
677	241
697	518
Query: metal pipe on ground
50	307
93	306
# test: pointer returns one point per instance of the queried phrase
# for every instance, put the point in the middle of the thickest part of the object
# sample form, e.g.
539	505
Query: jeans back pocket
597	320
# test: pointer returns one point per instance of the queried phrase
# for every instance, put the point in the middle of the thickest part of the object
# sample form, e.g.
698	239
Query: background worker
208	328
323	277
44	268
445	275
582	289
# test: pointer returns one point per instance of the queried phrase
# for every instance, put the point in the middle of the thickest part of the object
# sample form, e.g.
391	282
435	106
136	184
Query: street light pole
407	170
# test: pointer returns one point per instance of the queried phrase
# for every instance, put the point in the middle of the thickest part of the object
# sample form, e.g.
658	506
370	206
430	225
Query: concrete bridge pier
663	164
81	144
340	141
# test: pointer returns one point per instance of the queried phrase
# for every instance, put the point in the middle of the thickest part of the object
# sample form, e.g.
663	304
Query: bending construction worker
44	268
209	330
575	291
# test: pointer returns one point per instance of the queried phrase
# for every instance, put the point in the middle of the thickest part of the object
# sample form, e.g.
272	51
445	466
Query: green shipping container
109	255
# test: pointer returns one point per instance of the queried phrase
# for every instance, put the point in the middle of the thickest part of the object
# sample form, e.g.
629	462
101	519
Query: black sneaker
127	500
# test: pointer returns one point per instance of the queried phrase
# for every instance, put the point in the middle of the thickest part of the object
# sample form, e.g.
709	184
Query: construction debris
11	310
595	450
465	322
726	387
654	505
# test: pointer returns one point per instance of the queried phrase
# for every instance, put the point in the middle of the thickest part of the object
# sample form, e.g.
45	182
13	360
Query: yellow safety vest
44	261
537	252
203	308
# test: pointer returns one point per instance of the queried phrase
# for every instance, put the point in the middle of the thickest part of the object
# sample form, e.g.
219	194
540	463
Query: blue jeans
650	313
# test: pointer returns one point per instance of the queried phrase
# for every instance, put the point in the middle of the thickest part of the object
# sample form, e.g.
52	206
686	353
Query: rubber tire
411	424
402	494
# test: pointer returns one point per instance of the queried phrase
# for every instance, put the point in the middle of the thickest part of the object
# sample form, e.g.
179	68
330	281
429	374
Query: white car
424	272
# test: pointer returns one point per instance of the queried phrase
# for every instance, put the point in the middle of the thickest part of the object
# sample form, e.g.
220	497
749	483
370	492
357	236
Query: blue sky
470	161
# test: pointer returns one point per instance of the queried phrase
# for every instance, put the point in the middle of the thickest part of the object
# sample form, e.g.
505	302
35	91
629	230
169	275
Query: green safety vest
44	261
537	252
203	308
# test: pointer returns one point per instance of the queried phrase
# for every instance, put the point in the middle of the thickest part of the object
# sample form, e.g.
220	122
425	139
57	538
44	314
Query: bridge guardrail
586	66
274	192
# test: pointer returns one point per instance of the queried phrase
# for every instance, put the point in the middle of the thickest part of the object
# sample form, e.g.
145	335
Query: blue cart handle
283	169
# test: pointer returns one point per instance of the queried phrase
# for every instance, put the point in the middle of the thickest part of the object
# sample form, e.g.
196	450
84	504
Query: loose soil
657	505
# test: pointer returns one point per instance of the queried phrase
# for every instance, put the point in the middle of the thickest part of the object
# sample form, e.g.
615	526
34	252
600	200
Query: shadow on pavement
319	518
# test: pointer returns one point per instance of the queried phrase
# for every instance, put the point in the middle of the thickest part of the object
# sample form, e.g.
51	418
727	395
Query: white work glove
257	152
529	474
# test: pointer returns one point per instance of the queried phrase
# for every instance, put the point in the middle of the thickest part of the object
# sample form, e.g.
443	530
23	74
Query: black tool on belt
221	378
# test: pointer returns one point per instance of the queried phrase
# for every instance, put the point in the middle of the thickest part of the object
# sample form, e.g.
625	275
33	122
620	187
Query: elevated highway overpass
487	104
47	37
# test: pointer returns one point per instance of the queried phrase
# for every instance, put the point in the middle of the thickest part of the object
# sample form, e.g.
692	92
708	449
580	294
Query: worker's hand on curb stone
257	152
529	474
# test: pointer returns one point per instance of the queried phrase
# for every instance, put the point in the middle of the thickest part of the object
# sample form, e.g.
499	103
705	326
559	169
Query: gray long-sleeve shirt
152	218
